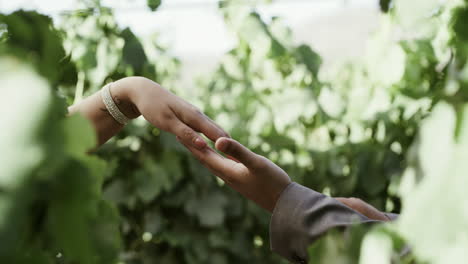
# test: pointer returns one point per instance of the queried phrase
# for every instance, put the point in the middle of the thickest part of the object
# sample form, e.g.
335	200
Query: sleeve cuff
392	216
301	216
283	221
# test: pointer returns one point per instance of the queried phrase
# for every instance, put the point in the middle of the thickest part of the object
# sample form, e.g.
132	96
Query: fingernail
200	143
220	145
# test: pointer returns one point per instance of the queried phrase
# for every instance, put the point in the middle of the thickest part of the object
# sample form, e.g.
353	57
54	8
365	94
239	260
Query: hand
252	175
171	113
364	208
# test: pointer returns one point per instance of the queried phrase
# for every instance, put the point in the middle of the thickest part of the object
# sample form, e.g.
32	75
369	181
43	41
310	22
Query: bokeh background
352	98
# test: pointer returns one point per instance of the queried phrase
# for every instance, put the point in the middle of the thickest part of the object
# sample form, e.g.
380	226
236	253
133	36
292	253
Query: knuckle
187	132
167	115
189	118
260	163
244	173
197	110
240	173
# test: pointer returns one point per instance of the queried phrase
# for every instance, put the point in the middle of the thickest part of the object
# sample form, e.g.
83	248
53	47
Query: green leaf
209	209
40	44
133	52
458	24
385	5
29	99
418	16
80	136
441	193
338	248
311	59
106	234
153	4
149	183
69	214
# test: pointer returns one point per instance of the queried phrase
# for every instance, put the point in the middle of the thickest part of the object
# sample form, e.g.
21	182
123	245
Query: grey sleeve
301	216
392	216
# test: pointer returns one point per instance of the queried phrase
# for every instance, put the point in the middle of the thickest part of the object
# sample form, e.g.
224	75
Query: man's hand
252	175
257	178
364	208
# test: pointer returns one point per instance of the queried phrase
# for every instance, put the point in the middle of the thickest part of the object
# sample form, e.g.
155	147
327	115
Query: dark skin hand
364	208
252	175
257	178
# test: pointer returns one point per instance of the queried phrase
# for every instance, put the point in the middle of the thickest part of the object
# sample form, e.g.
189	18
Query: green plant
143	199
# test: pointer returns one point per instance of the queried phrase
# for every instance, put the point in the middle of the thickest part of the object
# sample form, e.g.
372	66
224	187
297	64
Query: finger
197	155
202	123
363	208
187	135
201	159
238	152
226	134
195	119
232	158
222	167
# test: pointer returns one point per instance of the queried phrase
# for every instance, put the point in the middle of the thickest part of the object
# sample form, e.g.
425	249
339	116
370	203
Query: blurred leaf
385	5
40	44
209	209
153	4
444	164
311	59
333	248
133	53
80	136
350	132
29	99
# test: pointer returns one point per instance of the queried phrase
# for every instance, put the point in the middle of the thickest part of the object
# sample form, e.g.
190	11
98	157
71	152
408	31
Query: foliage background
389	129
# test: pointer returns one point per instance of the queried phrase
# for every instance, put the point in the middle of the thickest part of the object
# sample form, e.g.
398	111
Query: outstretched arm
135	96
300	215
258	178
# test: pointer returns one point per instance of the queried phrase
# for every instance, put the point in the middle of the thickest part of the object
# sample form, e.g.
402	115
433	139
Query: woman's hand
137	95
252	175
171	113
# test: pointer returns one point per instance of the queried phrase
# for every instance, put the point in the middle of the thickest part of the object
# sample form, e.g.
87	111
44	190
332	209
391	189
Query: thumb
235	149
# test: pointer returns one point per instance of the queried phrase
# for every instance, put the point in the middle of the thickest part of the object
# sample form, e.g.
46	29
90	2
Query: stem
79	87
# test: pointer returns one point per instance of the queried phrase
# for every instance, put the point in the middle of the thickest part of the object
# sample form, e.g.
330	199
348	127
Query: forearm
93	108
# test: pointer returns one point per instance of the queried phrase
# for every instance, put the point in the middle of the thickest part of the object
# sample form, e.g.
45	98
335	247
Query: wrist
142	92
279	191
123	96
